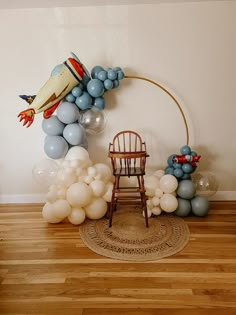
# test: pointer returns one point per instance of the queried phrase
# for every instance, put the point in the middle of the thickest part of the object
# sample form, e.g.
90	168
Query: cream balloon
77	216
159	173
155	201
149	213
61	208
103	172
168	203
156	210
96	209
151	182
98	187
168	183
77	153
108	192
79	194
48	214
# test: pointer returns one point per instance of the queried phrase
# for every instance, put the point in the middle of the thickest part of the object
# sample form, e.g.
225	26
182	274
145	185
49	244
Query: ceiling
16	4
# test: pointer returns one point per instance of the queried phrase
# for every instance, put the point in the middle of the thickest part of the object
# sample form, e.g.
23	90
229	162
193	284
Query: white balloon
151	182
168	183
51	196
77	153
96	209
155	201
168	203
48	214
149	203
74	163
159	173
156	210
79	194
108	192
103	172
77	216
158	193
61	208
92	171
149	213
88	179
98	187
150	192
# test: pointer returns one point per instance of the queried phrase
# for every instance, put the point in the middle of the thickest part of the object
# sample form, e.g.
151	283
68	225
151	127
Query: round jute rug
129	239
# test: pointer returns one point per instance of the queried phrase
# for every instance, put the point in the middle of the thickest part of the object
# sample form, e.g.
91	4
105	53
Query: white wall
189	48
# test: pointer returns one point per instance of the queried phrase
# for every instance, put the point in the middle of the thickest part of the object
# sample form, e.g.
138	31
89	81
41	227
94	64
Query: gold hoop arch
167	92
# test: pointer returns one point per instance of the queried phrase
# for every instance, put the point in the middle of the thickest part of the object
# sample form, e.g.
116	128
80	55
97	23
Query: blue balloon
178	173
186	189
70	98
193	153
116	84
99	103
53	126
95	71
187	168
185	150
73	133
102	75
170	160
55	147
77	91
108	84
95	88
169	170
177	165
200	206
111	74
184	207
186	176
117	69
120	75
84	101
67	112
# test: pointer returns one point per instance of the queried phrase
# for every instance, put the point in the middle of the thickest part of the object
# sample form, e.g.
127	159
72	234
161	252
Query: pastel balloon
99	103
184	207
55	147
53	126
98	187
108	192
95	88
95	71
48	215
77	153
67	112
186	189
200	206
96	209
74	134
61	209
156	210
159	173
79	194
168	183
84	101
168	203
77	216
103	172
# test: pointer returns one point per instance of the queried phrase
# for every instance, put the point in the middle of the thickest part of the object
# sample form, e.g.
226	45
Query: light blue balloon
187	168
73	133
95	71
77	91
193	153
102	75
99	103
70	98
53	126
95	88
67	112
108	84
200	206
116	84
186	189
169	170
84	101
170	160
55	147
112	75
178	173
120	75
177	165
185	150
184	207
117	69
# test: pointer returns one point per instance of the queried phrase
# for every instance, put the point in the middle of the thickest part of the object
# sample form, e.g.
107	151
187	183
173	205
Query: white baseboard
41	198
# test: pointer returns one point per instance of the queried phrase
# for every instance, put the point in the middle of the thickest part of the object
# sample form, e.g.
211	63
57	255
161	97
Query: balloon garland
77	188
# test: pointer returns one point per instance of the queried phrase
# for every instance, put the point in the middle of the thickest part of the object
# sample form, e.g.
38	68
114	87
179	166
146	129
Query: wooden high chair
128	158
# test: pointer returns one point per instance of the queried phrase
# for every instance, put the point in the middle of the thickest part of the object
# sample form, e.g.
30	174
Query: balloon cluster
80	113
160	191
181	166
80	188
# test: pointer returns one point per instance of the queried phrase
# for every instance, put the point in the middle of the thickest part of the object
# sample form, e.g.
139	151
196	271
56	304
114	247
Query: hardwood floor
46	269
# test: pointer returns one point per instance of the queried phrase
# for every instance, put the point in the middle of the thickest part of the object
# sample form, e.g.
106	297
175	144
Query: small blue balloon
108	84
193	153
111	74
102	75
116	84
185	150
178	172
53	126
169	170
73	133
67	112
186	176
95	71
187	168
200	206
186	189
84	101
99	103
117	69
177	165
120	75
77	91
184	207
70	98
170	160
95	88
55	147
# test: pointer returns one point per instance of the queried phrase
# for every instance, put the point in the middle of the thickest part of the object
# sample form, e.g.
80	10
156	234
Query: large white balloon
98	187
77	153
168	183
103	172
96	209
77	216
168	203
48	214
61	209
79	194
